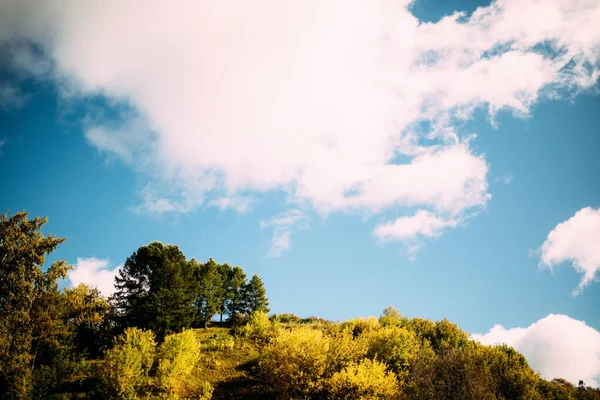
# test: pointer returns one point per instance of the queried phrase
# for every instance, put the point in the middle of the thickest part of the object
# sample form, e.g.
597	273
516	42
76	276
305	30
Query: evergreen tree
211	291
236	304
156	289
256	296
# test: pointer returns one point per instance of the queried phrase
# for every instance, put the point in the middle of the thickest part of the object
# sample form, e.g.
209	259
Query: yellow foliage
367	380
344	350
260	328
358	326
178	357
295	361
125	368
394	346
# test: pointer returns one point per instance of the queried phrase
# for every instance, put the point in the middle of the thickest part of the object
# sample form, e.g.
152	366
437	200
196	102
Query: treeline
47	335
140	343
159	289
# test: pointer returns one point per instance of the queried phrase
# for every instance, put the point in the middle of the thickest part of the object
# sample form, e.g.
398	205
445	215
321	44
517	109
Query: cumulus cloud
557	346
282	225
422	223
576	241
95	272
324	101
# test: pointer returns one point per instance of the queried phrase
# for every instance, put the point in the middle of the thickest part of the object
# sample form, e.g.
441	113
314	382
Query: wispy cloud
282	225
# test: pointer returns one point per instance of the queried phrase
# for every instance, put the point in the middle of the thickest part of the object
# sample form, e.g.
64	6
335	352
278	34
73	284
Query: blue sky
120	144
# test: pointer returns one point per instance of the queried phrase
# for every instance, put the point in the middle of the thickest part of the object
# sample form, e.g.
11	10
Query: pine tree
236	304
211	291
255	296
156	289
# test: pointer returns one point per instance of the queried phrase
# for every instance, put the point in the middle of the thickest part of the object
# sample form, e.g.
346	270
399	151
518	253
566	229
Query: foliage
391	317
156	289
295	362
367	380
260	328
212	291
286	318
23	288
127	365
256	296
178	357
396	347
358	326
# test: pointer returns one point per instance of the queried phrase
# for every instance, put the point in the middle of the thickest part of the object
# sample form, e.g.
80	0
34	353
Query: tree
156	289
236	304
256	296
211	291
89	316
23	284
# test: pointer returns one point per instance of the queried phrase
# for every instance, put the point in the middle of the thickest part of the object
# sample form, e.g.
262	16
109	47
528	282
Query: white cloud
282	225
95	272
557	346
422	223
575	240
318	100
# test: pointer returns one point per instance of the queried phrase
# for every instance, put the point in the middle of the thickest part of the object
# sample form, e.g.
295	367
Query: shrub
367	380
391	317
178	357
358	326
344	350
295	361
259	328
124	372
218	342
394	346
285	318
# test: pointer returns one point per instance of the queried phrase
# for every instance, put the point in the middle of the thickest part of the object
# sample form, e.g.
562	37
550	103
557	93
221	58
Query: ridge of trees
74	343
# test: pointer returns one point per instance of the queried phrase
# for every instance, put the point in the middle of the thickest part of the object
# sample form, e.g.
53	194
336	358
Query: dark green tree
24	286
211	291
156	289
236	305
256	296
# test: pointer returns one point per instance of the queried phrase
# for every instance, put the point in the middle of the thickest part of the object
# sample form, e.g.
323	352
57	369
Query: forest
179	328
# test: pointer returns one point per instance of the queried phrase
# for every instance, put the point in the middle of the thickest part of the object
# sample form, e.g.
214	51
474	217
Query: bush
391	317
259	328
395	347
358	326
218	342
344	350
367	380
295	361
285	318
125	369
178	357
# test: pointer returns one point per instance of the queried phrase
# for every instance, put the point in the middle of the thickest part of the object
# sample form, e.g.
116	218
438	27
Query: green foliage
88	314
256	296
178	358
126	366
368	380
23	289
156	289
212	291
287	318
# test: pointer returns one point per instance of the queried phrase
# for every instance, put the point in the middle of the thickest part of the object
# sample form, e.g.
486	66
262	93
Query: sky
436	156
